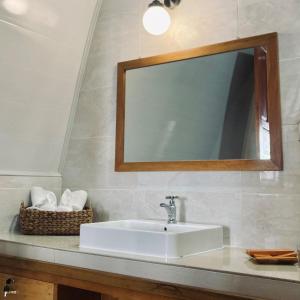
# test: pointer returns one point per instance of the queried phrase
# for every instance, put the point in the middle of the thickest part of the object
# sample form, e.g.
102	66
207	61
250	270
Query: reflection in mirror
195	109
214	107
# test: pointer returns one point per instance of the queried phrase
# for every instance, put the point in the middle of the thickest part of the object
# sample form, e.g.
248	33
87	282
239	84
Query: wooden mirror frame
271	107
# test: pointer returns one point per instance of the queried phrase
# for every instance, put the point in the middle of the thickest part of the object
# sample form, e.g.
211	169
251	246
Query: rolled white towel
42	199
38	196
51	199
75	200
44	207
62	208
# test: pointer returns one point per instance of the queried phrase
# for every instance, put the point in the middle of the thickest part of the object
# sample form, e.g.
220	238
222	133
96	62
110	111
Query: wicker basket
36	222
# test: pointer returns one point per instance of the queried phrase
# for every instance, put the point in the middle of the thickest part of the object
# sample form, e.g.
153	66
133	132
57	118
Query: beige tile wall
257	208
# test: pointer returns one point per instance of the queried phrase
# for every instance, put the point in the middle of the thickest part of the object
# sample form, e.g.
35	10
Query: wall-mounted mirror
209	108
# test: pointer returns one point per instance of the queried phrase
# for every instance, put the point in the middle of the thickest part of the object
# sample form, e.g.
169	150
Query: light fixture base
167	3
171	3
155	3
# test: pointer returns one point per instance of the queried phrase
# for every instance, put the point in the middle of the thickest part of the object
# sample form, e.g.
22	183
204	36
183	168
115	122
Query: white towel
46	200
42	199
43	207
75	200
64	208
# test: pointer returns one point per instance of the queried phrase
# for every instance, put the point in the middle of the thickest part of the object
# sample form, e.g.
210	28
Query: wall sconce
156	19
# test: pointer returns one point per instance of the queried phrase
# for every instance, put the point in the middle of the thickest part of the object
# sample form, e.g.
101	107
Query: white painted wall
258	209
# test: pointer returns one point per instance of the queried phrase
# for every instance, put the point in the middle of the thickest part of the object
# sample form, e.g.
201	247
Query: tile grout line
289	59
92	138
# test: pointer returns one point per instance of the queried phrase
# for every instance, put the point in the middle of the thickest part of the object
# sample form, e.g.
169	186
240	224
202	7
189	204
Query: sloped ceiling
42	46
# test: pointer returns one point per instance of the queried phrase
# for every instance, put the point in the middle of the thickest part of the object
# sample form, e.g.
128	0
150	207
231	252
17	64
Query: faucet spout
171	209
168	209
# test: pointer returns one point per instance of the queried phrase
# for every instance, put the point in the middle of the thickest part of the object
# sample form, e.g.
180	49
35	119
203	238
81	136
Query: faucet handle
171	198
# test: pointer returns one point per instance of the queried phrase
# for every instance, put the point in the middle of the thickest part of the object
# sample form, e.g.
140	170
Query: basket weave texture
36	222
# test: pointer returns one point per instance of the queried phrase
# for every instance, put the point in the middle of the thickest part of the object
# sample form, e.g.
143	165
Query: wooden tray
273	256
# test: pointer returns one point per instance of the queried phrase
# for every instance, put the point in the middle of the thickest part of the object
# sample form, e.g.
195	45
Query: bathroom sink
154	238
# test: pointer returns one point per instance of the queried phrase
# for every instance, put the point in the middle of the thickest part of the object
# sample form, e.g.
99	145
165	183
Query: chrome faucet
171	209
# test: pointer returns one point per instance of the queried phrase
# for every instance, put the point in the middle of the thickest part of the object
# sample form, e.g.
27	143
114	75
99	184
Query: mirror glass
194	109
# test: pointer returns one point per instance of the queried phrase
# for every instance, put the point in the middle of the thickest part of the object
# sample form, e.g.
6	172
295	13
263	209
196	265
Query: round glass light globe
156	20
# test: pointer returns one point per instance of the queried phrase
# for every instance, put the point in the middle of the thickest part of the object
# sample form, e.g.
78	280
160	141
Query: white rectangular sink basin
154	238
